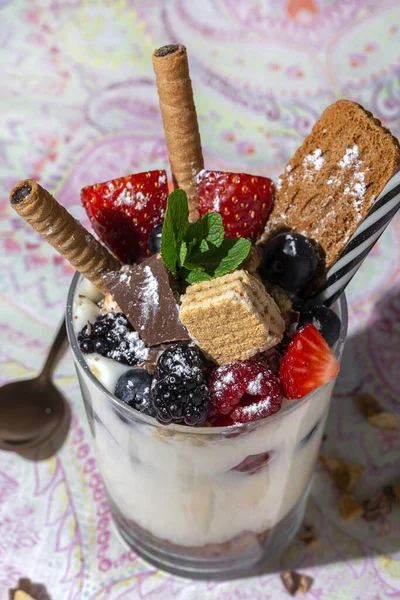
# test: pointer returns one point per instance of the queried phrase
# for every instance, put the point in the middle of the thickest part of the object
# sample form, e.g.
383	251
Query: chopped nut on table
374	412
26	590
384	420
377	507
296	582
308	535
20	595
349	507
343	474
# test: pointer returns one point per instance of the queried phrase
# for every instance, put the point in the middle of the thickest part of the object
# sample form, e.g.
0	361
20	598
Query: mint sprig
198	251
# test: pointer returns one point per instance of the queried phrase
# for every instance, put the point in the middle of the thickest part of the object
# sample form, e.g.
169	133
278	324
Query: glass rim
230	429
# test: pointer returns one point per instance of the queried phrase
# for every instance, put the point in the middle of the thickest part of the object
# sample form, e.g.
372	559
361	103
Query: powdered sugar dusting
199	175
356	187
150	295
124	198
216	203
125	345
130	344
313	162
254	387
130	197
350	158
226	377
125	277
256	410
110	189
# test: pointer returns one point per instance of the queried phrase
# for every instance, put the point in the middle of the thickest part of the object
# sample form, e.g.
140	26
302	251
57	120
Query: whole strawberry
124	211
244	201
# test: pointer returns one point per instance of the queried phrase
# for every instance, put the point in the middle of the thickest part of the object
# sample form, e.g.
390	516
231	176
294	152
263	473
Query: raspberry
246	391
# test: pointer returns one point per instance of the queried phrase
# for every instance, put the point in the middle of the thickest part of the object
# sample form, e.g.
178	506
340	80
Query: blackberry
179	393
133	388
112	335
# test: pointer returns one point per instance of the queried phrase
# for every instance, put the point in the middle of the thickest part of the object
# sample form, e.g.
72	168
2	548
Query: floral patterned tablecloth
77	105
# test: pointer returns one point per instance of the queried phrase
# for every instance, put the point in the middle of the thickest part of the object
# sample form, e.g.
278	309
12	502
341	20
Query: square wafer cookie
232	317
333	179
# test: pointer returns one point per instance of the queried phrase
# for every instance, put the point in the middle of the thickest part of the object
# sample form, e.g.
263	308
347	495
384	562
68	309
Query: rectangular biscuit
333	179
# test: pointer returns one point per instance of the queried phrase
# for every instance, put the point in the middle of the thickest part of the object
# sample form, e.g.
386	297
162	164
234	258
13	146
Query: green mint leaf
196	232
204	246
174	228
191	266
235	251
197	275
207	229
215	229
227	257
183	250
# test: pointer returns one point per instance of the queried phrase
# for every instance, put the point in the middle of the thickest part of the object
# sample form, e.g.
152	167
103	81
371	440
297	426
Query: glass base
247	555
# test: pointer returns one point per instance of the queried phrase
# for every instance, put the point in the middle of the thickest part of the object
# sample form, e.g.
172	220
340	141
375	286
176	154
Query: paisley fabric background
78	105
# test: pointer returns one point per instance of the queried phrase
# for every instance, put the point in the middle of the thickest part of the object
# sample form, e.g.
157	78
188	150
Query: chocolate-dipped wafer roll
54	223
180	120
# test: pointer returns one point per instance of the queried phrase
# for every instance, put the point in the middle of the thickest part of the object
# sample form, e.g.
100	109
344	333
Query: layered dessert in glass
199	500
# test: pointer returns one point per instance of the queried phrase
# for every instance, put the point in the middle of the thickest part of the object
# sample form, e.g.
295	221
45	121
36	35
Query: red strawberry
307	364
244	201
125	210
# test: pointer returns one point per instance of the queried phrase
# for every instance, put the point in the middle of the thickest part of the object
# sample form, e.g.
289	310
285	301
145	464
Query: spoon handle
56	352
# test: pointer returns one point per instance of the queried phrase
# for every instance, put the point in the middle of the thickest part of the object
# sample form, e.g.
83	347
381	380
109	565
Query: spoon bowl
34	415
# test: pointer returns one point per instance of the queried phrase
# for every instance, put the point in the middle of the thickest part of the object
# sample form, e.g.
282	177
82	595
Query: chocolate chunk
296	582
145	293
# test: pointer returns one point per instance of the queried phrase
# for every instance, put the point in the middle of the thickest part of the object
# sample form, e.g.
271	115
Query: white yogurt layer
184	487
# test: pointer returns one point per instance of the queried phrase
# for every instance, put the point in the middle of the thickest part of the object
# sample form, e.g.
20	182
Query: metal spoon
34	416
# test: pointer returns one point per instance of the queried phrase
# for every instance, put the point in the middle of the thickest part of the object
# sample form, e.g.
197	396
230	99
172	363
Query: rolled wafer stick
44	214
180	120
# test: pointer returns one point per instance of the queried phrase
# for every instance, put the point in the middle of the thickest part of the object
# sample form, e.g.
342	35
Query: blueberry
289	260
133	388
155	239
86	346
325	320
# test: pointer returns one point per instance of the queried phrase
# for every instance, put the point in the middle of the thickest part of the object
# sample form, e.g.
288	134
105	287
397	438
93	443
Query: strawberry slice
244	201
123	211
307	364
